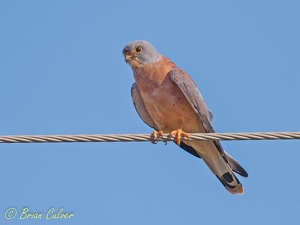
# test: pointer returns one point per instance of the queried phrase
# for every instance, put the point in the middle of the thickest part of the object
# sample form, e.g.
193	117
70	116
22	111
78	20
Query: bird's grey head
140	51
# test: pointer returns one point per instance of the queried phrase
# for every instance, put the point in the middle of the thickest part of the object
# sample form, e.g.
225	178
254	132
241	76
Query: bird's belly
172	111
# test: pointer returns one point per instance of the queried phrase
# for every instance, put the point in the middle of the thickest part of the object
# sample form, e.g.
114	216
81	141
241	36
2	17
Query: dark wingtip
189	149
235	166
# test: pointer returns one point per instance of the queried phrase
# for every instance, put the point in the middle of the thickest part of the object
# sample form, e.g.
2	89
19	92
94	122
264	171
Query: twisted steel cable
146	137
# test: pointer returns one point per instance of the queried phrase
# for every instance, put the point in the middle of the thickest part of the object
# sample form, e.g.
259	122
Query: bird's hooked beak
127	54
128	57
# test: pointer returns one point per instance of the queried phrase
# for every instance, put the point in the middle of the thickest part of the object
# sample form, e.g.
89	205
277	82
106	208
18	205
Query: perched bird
167	99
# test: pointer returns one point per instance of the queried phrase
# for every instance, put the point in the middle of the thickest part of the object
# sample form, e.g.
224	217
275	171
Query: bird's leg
178	134
156	134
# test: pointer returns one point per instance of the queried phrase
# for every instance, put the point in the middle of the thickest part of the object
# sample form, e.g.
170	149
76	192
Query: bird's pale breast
163	99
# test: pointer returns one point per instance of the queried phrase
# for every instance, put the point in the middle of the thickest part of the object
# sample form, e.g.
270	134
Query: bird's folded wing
192	94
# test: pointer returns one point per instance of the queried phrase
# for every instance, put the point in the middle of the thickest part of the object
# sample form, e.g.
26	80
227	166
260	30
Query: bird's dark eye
138	49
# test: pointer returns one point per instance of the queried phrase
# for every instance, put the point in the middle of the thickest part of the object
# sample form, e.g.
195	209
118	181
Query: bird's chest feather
163	99
166	104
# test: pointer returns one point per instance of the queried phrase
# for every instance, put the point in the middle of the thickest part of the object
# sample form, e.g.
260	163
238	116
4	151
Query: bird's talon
177	134
155	136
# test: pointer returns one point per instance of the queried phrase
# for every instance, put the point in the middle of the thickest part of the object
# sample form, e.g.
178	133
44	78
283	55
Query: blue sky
62	72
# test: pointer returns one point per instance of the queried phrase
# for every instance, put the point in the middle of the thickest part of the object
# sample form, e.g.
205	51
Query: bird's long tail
218	165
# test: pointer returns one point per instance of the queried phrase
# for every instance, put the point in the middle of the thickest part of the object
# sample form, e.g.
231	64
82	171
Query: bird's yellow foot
156	134
177	134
